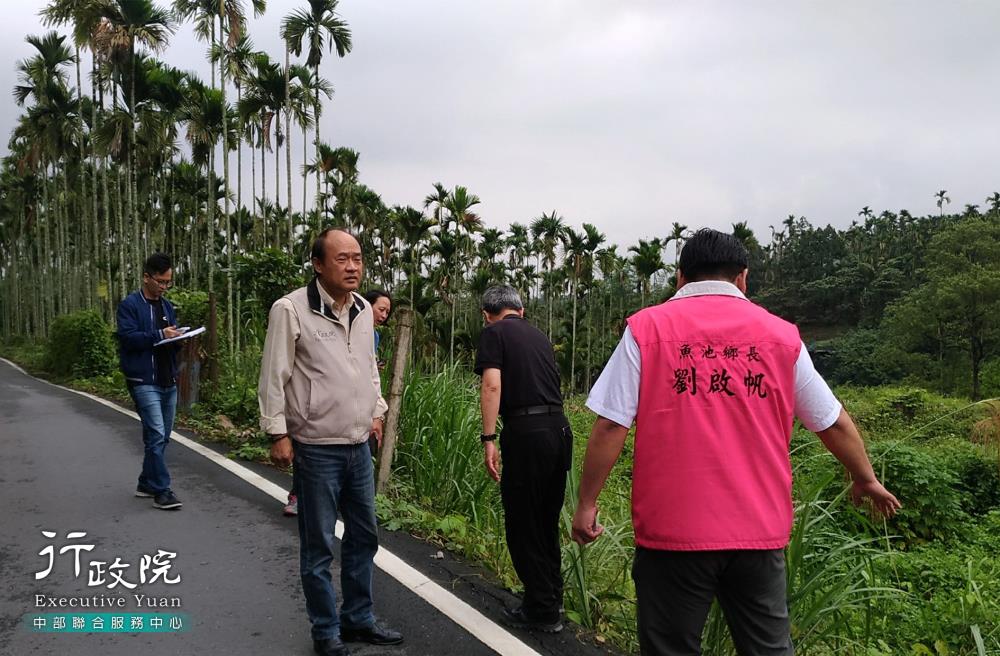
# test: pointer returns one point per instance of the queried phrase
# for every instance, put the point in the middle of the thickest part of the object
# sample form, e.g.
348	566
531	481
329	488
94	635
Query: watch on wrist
483	437
277	438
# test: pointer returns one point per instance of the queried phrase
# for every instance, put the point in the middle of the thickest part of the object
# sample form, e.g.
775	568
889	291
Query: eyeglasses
162	284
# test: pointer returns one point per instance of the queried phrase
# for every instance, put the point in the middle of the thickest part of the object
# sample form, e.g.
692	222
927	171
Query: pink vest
716	405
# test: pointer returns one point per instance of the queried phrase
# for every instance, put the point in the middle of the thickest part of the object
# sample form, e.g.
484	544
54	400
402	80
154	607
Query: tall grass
842	584
439	462
440	453
598	589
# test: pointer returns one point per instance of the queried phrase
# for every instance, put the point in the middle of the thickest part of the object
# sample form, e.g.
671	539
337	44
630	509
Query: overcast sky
632	114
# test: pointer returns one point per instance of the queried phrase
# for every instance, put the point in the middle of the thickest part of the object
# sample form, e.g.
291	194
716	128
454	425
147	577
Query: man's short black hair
713	255
319	244
157	264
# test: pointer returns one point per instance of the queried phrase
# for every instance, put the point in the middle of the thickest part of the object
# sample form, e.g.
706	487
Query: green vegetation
891	307
94	182
81	344
856	587
928	580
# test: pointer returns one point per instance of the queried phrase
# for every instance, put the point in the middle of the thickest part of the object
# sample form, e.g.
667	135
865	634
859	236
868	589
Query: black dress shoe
330	647
373	635
516	618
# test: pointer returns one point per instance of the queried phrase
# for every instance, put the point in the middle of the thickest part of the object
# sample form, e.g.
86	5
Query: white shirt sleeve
815	405
615	395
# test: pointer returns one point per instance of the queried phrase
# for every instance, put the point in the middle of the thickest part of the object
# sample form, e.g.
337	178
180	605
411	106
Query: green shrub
978	474
265	276
949	590
990	379
236	394
852	358
29	354
80	345
930	493
191	306
907	413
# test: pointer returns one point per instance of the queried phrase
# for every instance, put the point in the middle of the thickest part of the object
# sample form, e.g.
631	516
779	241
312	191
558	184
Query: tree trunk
548	300
277	181
210	218
317	111
976	351
305	181
100	246
132	191
572	348
404	329
225	201
590	326
263	188
288	153
454	306
239	204
44	258
120	236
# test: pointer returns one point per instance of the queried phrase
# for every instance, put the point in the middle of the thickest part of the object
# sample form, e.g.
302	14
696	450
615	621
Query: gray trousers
675	589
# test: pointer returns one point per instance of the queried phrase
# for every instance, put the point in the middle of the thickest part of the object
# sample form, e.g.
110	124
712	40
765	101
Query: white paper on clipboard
189	333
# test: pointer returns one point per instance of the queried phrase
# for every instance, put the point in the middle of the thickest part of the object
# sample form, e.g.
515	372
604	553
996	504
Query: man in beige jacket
320	399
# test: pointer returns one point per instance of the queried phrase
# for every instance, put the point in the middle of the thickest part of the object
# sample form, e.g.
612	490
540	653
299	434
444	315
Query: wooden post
401	349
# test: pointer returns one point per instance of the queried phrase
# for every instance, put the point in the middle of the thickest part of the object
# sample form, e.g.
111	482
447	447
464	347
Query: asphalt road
69	464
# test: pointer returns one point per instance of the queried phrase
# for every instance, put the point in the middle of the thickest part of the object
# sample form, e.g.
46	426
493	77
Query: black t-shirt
523	354
162	354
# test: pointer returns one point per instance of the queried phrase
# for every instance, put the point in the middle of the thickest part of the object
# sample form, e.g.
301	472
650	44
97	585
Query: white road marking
486	630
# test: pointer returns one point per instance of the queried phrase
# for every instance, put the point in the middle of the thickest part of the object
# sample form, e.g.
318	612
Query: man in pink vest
713	384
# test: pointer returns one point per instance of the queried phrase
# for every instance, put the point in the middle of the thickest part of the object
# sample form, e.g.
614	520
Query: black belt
534	410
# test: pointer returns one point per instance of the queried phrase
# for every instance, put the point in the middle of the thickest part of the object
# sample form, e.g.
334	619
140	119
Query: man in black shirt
521	384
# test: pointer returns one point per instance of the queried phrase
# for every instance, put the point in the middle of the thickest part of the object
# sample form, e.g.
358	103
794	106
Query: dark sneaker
373	635
330	647
292	507
144	492
515	618
166	501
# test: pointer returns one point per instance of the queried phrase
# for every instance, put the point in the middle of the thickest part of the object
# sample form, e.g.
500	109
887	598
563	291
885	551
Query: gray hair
501	297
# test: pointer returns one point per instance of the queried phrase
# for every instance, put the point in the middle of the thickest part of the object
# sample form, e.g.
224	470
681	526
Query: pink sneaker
292	507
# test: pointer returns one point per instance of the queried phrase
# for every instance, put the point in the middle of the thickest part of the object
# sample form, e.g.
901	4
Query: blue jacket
137	333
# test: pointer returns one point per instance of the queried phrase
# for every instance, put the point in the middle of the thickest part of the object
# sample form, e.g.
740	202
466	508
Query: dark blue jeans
156	407
332	480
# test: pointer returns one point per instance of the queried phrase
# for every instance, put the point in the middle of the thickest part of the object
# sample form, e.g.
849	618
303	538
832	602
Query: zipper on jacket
152	355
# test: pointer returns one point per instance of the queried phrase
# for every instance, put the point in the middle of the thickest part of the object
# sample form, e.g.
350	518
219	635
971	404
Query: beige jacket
319	380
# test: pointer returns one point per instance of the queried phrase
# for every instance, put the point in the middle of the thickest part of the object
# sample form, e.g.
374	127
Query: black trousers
537	452
674	590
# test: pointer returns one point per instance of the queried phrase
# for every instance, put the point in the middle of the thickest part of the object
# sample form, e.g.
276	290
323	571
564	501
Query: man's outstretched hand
881	499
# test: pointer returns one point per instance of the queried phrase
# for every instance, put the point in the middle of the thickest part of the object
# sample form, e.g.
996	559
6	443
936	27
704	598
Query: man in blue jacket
145	318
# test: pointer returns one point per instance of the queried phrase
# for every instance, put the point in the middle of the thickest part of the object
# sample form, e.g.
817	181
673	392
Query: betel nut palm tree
314	28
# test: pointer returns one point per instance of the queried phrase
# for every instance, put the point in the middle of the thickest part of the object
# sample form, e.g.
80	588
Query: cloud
635	114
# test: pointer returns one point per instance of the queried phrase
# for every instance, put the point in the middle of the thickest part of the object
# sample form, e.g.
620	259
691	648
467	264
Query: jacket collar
317	305
142	297
708	288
